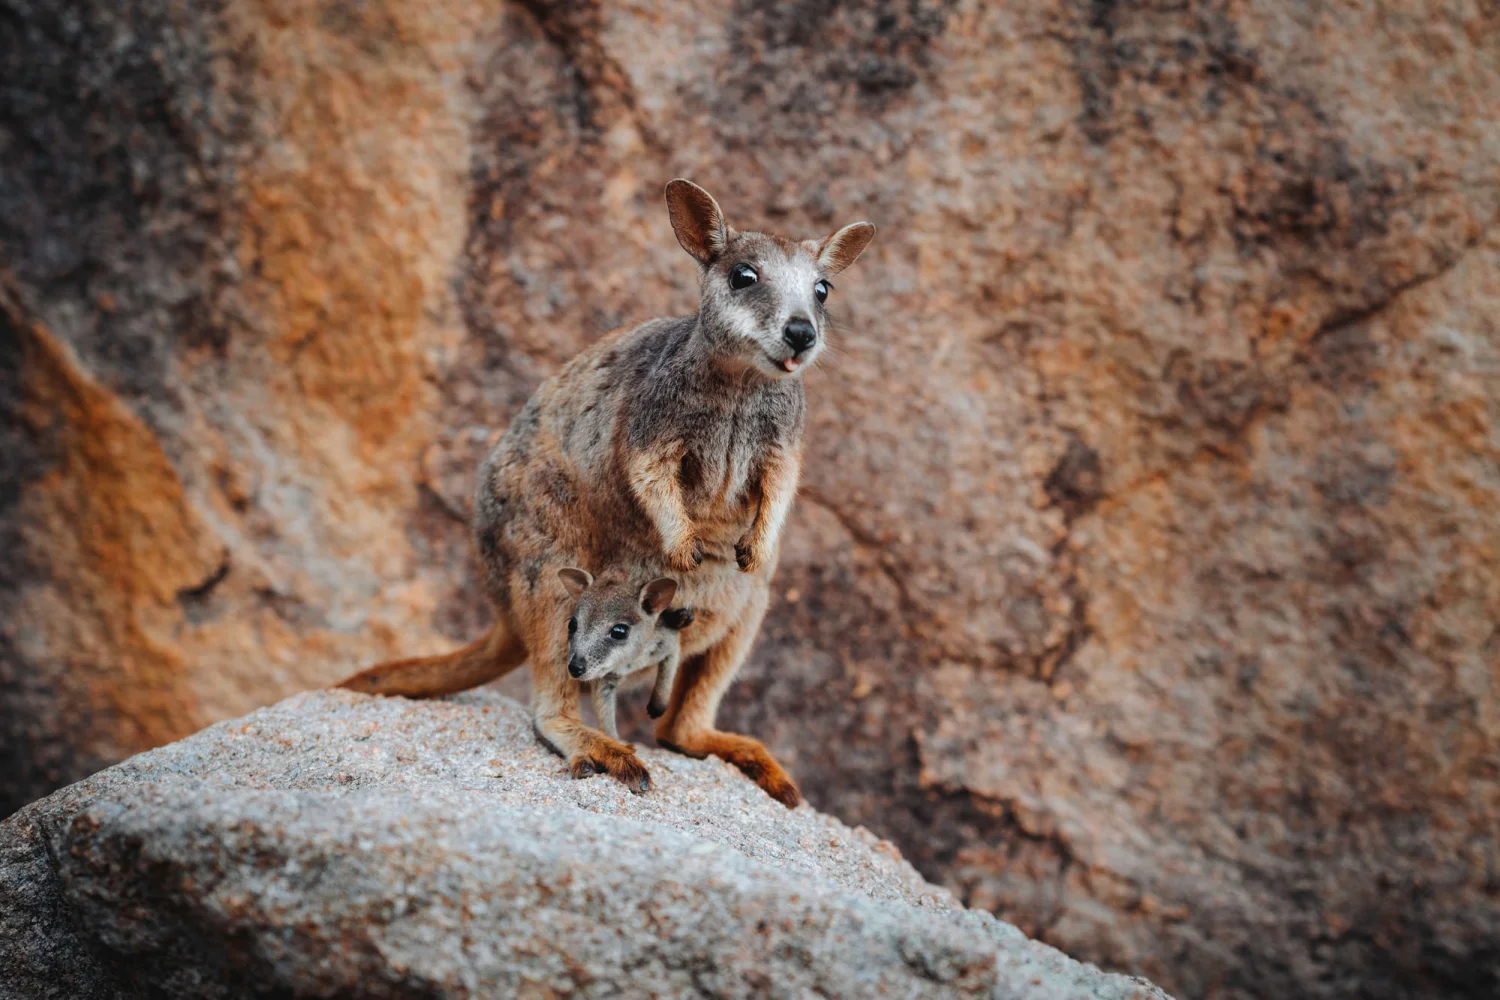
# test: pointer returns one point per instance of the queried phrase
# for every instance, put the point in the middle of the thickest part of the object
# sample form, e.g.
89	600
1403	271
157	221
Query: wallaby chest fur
556	486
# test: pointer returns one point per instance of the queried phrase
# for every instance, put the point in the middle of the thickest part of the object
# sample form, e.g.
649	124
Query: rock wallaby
675	448
621	627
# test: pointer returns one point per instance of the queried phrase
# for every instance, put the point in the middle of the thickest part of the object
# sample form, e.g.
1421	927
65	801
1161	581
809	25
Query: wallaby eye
619	632
572	625
742	276
821	290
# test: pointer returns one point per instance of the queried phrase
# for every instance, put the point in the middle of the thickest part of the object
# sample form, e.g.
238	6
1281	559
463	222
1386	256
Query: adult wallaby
674	448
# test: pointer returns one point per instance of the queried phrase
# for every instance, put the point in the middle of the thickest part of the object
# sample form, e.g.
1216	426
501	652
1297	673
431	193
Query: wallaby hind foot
621	764
744	752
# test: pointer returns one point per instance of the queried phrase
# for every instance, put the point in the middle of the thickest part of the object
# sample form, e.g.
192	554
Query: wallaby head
614	622
763	296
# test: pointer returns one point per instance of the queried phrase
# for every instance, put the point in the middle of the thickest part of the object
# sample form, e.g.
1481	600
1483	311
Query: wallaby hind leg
604	707
661	691
559	725
688	726
498	652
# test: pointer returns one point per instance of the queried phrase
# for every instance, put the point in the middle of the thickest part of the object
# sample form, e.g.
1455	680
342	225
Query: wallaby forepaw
746	554
678	618
656	709
689	557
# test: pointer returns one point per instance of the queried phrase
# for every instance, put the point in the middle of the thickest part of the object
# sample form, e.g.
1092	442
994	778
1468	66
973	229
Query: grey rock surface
339	845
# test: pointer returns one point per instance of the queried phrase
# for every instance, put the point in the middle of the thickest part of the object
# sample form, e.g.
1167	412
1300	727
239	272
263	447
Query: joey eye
742	276
572	625
619	632
821	290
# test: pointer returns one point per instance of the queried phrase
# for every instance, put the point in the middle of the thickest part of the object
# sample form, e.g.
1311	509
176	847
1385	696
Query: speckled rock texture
1145	583
342	845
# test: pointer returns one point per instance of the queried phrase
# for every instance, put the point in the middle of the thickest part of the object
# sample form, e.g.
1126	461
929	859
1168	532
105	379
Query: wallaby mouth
793	364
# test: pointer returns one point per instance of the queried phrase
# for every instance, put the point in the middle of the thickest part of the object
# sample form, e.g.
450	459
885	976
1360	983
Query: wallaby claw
689	557
744	554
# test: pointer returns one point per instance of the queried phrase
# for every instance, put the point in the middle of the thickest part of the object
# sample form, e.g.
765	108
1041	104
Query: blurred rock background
1143	586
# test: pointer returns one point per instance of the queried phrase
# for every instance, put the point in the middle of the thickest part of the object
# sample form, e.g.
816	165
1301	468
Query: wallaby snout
577	665
799	334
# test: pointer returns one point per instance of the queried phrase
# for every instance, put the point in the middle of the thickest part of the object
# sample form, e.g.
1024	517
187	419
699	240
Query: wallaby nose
576	666
799	334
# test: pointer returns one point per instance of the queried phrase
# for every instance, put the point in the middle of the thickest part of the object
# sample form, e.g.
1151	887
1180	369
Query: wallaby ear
576	580
843	247
656	595
697	220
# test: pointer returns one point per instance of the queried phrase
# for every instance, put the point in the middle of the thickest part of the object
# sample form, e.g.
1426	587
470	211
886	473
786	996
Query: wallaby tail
498	652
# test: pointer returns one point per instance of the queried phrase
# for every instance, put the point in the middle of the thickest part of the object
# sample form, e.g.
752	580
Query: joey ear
842	248
697	220
576	580
656	595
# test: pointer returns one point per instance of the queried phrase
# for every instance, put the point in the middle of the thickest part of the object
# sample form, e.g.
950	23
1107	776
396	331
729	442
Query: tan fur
778	488
671	447
688	725
653	480
480	661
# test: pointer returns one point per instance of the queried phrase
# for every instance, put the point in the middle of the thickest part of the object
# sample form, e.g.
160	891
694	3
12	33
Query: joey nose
799	334
576	666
